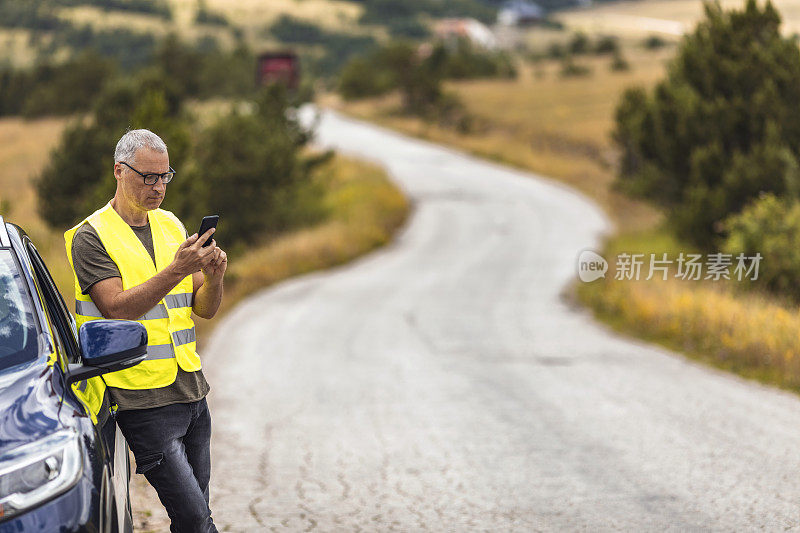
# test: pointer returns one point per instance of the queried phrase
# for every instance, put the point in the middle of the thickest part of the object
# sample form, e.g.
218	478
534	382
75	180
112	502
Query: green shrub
619	63
578	44
465	61
205	15
359	79
571	69
607	44
654	42
556	51
769	226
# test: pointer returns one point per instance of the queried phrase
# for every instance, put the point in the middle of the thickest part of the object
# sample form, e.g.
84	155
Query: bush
556	51
654	42
723	126
396	64
769	226
408	27
159	8
607	45
465	61
288	29
205	15
579	44
571	69
388	11
619	63
360	80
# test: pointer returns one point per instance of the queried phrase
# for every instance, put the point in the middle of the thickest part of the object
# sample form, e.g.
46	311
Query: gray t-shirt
92	264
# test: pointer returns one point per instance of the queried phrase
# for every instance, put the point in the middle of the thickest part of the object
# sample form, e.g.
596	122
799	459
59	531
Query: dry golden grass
24	150
718	322
664	17
333	14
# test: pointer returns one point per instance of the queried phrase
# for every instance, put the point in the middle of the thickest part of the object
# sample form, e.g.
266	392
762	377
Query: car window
56	308
18	332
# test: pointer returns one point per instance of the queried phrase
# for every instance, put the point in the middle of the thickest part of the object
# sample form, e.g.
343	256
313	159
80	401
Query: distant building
520	12
281	67
474	31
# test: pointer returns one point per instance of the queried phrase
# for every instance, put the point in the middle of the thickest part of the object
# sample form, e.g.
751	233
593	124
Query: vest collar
122	228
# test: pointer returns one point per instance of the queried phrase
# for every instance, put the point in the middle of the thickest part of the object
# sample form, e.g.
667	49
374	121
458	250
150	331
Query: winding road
442	384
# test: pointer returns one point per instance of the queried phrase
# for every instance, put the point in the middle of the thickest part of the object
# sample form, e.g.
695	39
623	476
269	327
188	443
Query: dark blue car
62	467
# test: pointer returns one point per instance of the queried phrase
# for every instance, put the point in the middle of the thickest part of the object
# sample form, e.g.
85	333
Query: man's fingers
208	249
189	241
207	234
204	237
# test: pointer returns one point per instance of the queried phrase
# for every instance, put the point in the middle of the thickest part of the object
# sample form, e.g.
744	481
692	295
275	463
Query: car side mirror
108	346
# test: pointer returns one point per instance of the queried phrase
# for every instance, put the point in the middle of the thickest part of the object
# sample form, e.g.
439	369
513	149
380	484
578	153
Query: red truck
281	67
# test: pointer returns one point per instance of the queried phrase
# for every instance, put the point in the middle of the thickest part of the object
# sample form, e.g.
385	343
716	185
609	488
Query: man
133	261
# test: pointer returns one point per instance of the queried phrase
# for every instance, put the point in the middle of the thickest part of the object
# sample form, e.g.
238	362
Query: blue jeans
171	445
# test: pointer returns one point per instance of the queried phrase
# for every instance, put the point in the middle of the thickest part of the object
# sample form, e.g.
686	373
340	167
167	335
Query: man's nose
160	186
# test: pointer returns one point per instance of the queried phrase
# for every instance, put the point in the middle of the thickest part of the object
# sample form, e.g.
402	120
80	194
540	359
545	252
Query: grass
24	149
559	127
745	331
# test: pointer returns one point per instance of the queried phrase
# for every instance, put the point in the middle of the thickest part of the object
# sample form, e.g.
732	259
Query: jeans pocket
148	462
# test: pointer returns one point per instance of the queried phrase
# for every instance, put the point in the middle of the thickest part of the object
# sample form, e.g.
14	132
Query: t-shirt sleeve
90	259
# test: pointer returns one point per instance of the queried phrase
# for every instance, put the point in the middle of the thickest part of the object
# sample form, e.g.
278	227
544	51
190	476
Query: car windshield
18	342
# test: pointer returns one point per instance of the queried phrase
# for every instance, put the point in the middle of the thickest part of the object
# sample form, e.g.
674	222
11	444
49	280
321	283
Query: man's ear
118	167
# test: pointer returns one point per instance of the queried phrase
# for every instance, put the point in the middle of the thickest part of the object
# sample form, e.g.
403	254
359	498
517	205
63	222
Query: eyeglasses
152	178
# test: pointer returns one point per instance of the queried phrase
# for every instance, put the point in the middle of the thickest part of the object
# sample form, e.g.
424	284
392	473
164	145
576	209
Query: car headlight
36	472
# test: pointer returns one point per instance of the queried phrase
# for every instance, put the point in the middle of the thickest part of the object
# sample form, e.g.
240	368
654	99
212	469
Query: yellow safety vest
170	329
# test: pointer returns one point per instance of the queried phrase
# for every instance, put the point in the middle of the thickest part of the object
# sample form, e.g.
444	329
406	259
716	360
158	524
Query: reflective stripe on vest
174	301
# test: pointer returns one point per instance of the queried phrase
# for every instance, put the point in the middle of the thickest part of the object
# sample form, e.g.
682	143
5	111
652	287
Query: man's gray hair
133	140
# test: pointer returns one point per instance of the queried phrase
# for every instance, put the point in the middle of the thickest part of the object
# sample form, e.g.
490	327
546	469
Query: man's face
135	191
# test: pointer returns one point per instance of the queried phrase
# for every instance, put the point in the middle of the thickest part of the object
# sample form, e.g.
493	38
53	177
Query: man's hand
215	267
208	286
192	256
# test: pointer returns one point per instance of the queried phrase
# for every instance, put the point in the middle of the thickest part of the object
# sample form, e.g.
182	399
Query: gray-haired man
133	260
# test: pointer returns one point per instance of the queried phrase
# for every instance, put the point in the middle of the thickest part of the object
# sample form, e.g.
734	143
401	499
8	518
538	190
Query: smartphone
208	223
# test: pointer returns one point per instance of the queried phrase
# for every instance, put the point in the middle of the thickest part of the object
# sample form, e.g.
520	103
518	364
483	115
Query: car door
113	440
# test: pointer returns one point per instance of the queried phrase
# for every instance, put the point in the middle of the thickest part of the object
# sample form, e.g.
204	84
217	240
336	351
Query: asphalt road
441	383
